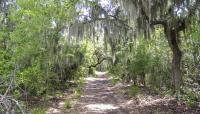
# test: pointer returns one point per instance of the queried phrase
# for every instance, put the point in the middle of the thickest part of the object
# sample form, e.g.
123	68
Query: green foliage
141	59
191	99
77	92
67	104
190	66
145	57
89	49
133	91
44	58
80	82
38	111
5	63
115	80
35	50
160	62
118	70
32	79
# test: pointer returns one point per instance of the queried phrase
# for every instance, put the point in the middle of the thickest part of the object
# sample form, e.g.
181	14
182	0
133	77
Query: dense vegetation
47	44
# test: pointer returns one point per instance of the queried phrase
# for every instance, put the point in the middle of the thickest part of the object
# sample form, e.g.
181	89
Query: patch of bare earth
101	97
57	104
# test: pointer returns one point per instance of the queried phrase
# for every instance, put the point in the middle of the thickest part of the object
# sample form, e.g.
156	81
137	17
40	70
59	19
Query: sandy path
99	97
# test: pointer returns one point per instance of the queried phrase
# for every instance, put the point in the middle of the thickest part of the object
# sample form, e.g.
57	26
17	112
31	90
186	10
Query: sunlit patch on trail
88	96
91	79
53	111
101	107
100	73
153	101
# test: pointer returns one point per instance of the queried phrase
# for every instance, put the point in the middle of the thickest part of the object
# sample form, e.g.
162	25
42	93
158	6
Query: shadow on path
99	97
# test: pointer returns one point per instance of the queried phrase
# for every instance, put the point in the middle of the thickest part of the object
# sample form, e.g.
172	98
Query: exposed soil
100	96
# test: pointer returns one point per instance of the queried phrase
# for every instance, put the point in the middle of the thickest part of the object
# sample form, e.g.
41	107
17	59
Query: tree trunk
90	72
172	37
143	78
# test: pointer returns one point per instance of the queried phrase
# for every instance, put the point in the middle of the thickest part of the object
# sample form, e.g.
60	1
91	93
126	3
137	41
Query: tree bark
172	36
95	65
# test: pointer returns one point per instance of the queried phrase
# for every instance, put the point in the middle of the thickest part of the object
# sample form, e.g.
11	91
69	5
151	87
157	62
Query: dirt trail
100	96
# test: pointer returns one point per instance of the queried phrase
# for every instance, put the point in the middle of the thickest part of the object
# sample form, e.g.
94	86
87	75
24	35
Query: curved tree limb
99	62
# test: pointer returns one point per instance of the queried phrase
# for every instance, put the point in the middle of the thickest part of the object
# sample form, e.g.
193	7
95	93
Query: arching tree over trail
50	45
124	19
174	16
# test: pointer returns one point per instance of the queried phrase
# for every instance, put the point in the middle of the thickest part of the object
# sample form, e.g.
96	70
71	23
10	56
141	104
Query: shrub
67	104
38	111
133	91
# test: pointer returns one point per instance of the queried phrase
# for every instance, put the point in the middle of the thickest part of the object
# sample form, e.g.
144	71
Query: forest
99	56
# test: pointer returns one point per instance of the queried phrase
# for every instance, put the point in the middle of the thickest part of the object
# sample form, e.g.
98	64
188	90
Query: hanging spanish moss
127	19
124	17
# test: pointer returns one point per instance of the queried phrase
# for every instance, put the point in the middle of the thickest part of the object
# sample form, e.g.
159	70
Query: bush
133	91
32	80
115	80
77	92
38	111
190	98
67	104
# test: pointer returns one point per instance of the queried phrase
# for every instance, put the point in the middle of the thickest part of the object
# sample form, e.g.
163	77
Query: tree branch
158	22
112	18
143	11
99	62
121	22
